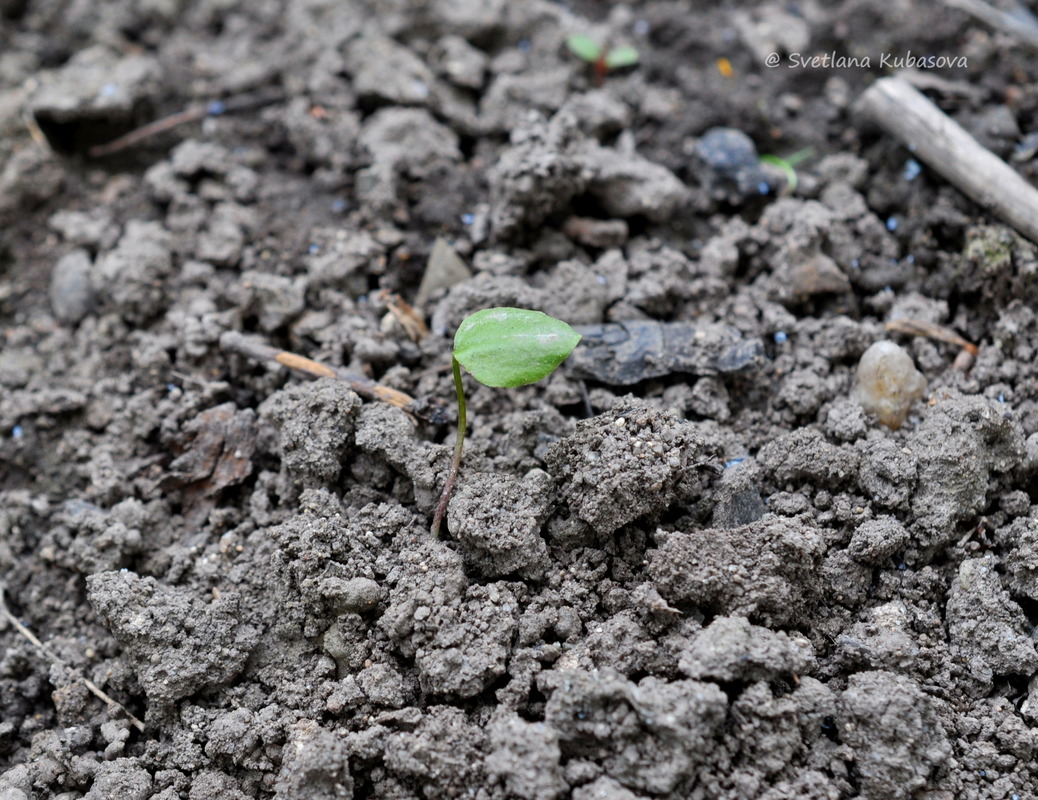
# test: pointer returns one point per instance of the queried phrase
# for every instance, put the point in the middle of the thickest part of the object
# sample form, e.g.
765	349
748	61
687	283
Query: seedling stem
602	60
501	347
452	474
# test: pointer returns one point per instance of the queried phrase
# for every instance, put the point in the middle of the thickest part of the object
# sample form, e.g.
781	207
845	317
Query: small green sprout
502	348
788	164
603	61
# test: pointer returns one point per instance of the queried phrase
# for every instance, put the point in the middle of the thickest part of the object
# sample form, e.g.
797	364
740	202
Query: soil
687	565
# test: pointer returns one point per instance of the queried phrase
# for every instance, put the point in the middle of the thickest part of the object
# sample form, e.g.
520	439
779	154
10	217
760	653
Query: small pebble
887	383
891	224
727	150
71	293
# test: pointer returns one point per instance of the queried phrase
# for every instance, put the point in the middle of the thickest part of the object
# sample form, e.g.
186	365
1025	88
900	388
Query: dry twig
919	327
1014	19
211	109
405	315
234	342
51	656
940	142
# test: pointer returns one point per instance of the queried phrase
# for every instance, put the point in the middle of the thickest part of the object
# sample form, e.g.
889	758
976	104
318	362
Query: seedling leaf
625	56
788	164
584	47
501	347
788	172
506	347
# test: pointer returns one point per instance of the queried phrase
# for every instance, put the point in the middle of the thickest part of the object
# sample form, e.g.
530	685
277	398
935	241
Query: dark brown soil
687	565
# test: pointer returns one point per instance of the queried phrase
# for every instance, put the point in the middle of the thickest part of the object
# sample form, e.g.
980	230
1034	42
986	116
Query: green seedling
602	61
788	165
502	348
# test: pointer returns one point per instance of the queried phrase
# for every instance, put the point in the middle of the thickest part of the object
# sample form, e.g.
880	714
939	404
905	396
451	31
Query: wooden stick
1016	21
234	342
213	108
942	333
94	689
942	144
